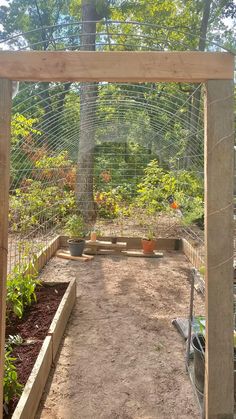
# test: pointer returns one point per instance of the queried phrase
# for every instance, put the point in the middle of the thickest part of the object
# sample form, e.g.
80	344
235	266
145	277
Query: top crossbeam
87	66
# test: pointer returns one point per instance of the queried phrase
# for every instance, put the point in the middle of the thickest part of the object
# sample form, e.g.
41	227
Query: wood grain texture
5	116
119	66
219	379
135	242
65	254
61	317
43	257
136	253
33	390
193	254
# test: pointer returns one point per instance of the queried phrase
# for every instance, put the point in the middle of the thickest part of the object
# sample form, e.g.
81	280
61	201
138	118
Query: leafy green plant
76	227
201	324
107	205
57	167
113	203
158	184
14	340
29	206
21	289
192	208
150	235
11	386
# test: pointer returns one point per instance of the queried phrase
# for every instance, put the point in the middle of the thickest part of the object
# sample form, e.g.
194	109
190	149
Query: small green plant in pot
76	230
149	243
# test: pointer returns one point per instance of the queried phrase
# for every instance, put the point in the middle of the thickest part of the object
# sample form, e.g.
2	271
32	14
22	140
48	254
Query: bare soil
121	356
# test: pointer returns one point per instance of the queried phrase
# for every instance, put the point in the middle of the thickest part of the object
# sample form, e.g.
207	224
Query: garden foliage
11	386
21	287
21	293
158	184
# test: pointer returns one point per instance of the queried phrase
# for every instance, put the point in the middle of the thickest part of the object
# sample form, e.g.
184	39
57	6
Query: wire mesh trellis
59	126
58	133
152	108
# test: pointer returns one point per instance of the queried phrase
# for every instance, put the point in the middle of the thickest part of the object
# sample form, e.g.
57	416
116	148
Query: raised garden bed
41	329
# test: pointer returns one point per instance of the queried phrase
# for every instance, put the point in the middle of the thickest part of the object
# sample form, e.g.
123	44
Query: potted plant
149	243
76	230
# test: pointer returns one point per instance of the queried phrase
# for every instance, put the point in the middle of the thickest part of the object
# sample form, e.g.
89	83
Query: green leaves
11	386
21	293
21	289
158	184
75	227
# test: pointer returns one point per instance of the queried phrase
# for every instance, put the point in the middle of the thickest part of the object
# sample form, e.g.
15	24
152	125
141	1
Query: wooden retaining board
65	254
33	390
44	255
106	244
58	325
192	254
99	245
134	243
138	254
32	393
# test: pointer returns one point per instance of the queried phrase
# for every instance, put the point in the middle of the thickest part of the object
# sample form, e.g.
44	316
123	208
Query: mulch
33	329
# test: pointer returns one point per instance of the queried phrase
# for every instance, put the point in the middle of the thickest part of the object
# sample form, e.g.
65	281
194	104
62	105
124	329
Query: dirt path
121	357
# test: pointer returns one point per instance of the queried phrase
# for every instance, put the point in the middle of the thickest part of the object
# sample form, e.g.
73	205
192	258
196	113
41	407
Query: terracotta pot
148	246
93	236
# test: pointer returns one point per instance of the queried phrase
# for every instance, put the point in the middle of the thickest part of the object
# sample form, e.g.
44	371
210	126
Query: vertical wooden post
5	118
219	157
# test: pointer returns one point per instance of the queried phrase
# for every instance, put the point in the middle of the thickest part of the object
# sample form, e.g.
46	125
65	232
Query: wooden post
5	132
219	157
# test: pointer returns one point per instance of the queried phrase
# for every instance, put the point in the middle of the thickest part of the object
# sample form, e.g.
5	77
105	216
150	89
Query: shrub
57	168
34	204
107	205
158	184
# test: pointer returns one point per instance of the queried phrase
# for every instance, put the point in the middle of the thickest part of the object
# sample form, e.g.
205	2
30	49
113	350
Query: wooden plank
62	315
96	252
192	254
44	255
135	253
32	393
219	379
116	66
101	244
65	254
135	242
5	117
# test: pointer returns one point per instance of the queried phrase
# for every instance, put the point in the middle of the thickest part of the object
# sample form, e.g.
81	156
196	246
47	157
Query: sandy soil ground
121	357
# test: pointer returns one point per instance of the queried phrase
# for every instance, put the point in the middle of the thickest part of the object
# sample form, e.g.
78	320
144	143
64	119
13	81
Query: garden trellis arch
216	70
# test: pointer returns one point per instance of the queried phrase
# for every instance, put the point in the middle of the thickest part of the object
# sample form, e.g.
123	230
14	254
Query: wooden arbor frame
216	71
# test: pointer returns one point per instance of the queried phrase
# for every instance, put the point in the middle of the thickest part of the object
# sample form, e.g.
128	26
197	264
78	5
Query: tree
92	12
36	22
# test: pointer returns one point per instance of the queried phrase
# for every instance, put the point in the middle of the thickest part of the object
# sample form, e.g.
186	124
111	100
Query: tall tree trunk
88	98
195	103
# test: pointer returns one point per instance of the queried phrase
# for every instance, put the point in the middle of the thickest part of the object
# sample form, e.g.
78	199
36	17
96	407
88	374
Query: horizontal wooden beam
119	66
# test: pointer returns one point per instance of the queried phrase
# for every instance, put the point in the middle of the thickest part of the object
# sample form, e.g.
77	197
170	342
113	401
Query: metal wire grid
111	123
